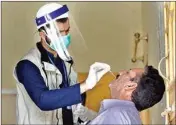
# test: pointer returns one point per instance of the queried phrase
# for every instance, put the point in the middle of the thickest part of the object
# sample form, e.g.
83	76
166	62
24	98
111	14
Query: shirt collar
109	103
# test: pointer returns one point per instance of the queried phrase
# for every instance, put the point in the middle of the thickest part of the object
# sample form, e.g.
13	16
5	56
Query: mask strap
159	67
45	38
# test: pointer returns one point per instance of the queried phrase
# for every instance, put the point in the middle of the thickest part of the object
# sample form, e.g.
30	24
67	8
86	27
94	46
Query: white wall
107	27
150	22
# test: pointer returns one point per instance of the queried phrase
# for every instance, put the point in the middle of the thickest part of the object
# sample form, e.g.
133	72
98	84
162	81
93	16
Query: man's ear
130	86
42	35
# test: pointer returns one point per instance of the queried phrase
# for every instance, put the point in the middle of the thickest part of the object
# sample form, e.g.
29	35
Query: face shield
55	39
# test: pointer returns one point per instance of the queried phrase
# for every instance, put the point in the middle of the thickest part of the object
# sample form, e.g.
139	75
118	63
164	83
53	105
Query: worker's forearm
83	88
58	98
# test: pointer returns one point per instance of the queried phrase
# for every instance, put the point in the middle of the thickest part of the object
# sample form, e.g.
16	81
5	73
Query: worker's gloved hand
97	70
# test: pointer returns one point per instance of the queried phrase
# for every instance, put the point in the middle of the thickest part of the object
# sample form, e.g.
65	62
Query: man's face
125	84
64	28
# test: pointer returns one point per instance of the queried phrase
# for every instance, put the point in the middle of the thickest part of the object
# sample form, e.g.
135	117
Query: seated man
132	91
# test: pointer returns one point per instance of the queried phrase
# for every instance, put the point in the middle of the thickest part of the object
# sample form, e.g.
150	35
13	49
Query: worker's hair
62	20
150	89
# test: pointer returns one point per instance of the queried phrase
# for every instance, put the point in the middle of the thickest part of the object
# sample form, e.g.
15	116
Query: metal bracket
137	39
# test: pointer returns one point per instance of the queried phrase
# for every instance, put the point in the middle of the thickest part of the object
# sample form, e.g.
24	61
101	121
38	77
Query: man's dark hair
150	89
62	20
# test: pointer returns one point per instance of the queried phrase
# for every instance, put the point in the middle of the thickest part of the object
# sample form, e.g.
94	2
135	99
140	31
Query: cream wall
107	27
150	22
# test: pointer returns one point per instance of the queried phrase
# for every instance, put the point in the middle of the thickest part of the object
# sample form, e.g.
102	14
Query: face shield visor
55	38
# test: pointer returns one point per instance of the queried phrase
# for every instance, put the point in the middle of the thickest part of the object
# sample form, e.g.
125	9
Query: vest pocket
58	80
54	80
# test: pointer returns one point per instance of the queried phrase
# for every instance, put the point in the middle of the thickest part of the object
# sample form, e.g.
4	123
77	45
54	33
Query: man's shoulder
125	114
32	51
108	116
123	110
32	55
116	110
31	58
25	64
